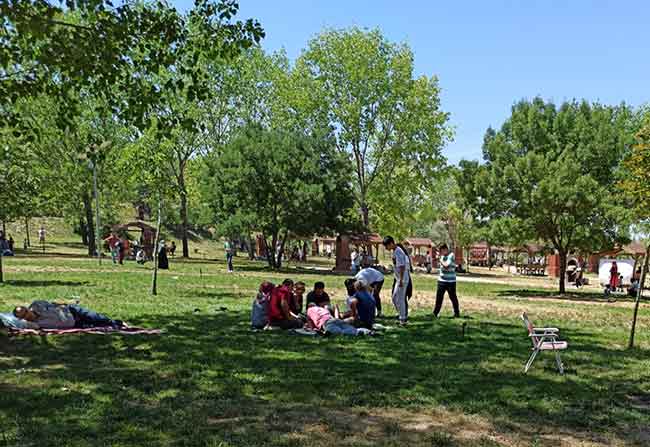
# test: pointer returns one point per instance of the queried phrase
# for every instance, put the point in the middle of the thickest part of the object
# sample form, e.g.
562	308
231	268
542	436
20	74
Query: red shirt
279	294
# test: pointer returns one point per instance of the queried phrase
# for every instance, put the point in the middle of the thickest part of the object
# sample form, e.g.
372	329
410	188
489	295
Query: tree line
186	113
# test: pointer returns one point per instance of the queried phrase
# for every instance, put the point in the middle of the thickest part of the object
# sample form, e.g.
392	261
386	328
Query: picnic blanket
90	330
16	326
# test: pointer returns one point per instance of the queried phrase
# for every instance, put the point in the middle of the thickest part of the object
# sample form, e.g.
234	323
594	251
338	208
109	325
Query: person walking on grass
229	255
447	281
401	268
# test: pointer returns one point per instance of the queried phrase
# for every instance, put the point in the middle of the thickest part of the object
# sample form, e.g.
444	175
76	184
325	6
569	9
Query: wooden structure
479	254
364	243
634	250
147	237
418	248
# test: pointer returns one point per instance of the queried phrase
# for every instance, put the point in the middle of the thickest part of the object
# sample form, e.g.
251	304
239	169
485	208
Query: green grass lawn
209	381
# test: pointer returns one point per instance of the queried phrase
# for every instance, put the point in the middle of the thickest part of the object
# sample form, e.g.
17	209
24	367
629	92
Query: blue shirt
365	307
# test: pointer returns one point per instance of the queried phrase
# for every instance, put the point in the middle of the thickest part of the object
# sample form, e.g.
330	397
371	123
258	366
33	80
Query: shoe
403	323
436	316
456	316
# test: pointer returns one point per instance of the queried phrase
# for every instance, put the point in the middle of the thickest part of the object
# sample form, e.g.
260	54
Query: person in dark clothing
318	296
163	261
363	306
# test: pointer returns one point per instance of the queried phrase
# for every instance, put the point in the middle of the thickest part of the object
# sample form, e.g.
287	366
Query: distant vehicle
625	268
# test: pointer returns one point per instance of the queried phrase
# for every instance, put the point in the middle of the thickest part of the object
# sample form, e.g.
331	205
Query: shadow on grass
569	296
44	283
209	379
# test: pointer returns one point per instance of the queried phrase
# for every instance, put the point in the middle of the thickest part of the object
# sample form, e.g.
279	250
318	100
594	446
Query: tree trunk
88	209
639	294
1	273
251	248
563	255
365	213
183	212
154	275
29	241
4	228
278	264
270	252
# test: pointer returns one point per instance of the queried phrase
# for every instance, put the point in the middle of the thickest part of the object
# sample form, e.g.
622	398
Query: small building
418	248
147	236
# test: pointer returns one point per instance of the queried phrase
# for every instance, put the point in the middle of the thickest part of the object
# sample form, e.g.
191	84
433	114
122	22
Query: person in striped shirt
447	281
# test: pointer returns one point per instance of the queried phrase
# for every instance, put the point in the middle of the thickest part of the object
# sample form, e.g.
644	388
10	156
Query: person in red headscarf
613	277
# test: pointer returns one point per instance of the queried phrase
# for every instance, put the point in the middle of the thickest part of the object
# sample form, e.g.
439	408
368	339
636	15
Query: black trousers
376	290
450	288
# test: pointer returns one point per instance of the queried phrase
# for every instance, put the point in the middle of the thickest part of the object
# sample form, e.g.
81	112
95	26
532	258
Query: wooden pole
154	276
639	294
98	237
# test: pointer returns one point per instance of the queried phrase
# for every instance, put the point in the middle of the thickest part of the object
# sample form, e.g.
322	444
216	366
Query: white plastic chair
544	339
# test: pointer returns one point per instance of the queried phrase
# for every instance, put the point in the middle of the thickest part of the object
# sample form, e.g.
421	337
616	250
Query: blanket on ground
90	330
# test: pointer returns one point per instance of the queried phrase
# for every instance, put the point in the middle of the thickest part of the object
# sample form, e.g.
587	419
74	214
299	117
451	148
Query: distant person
280	314
580	280
10	242
355	261
429	262
229	255
375	279
112	242
401	271
172	249
318	296
613	277
124	249
328	251
163	261
4	246
446	281
41	237
141	256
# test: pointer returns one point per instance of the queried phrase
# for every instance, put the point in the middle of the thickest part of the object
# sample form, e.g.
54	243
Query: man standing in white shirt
375	279
401	268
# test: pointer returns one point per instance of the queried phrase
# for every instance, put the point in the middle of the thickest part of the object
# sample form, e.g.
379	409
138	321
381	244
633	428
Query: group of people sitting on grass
52	315
285	306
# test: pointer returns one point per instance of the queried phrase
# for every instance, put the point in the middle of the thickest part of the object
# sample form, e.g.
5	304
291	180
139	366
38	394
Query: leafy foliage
280	184
550	172
391	123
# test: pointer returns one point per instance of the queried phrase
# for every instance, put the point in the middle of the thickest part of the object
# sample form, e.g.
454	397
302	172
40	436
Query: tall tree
280	184
551	169
364	87
636	186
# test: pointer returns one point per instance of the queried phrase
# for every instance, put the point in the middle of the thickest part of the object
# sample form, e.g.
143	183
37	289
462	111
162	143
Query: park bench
544	339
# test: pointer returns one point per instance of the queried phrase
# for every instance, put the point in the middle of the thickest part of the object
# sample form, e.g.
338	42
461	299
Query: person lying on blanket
322	320
46	315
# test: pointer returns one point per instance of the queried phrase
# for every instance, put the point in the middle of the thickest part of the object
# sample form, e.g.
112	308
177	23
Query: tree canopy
280	184
551	169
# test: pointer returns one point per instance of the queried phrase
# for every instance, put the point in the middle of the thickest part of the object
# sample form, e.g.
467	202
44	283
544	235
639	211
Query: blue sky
489	54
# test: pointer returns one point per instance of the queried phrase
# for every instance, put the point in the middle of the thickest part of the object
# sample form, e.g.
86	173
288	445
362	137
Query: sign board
625	268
